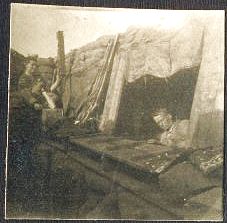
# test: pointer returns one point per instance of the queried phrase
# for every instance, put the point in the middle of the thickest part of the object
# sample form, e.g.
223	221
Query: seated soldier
34	91
25	122
30	86
173	133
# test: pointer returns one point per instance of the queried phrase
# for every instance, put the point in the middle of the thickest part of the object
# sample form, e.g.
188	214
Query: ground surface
58	186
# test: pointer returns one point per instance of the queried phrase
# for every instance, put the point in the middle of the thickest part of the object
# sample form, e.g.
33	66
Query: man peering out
174	133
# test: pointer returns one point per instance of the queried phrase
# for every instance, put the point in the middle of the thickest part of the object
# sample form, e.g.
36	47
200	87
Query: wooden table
122	168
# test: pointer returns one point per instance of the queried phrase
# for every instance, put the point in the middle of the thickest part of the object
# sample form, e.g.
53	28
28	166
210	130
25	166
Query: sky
34	27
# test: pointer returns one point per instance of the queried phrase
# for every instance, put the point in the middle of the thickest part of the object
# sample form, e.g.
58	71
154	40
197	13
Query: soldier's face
163	120
31	67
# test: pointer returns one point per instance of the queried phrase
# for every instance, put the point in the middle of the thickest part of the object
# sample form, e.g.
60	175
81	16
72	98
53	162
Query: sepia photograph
115	113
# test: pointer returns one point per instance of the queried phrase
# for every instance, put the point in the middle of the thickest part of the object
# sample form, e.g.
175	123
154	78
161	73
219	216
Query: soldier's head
162	118
30	67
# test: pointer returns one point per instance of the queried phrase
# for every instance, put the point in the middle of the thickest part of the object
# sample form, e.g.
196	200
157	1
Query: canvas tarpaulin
84	64
150	51
162	53
98	88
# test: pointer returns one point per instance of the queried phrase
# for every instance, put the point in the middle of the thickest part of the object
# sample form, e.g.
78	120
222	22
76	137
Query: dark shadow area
148	94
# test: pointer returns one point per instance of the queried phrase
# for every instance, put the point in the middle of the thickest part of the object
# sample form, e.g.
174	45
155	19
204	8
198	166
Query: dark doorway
149	93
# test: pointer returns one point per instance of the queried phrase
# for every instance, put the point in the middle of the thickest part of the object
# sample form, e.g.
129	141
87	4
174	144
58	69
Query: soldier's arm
155	140
25	91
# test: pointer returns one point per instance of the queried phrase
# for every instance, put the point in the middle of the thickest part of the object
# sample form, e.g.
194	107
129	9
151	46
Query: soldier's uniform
30	88
176	135
25	123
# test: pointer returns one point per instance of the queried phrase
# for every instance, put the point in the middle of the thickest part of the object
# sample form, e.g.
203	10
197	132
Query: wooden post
113	97
207	114
61	54
61	71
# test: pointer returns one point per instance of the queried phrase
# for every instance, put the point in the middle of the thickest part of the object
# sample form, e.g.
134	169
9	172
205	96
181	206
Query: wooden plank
148	192
104	143
131	207
113	97
106	154
139	155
